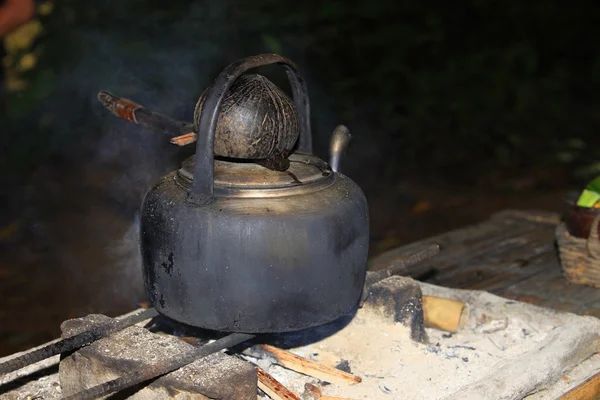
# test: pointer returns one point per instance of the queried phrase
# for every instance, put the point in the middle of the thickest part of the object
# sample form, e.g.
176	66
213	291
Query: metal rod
76	341
401	266
133	112
161	368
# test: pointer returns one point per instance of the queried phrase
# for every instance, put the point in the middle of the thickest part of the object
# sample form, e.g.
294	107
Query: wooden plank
506	223
511	254
449	239
509	264
537	216
457	255
588	390
496	275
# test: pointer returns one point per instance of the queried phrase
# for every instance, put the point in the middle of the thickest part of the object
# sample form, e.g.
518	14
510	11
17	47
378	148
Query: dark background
457	109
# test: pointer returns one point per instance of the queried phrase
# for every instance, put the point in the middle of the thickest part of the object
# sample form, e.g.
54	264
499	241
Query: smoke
81	205
167	77
127	262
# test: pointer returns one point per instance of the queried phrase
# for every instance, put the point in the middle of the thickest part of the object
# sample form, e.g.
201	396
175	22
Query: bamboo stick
444	314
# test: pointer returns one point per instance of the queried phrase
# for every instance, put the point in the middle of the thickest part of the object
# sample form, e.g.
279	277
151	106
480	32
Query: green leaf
588	198
594	185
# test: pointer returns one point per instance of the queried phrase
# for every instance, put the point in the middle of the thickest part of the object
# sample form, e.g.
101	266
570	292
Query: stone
399	299
218	376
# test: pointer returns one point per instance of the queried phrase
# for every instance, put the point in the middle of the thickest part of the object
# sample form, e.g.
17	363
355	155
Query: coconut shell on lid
257	120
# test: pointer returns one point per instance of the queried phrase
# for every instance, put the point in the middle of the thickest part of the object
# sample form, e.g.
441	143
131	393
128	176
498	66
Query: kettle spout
337	146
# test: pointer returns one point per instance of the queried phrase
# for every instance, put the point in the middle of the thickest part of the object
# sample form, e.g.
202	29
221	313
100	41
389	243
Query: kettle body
260	264
236	247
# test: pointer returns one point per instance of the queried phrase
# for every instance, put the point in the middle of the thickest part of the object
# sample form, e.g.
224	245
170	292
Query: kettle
230	245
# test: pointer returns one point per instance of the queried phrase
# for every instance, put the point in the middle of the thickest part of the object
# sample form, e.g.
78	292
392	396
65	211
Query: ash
498	335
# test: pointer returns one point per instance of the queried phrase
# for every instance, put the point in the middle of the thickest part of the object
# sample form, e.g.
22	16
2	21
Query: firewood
444	314
272	387
184	140
311	368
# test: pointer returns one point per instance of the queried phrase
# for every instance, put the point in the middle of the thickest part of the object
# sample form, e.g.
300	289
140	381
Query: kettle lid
306	173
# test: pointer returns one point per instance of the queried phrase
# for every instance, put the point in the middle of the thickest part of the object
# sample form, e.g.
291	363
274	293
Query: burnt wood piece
160	368
272	387
137	355
82	338
399	299
302	365
512	254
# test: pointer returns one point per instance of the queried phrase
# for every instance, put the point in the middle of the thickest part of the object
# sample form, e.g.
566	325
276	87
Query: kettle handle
202	188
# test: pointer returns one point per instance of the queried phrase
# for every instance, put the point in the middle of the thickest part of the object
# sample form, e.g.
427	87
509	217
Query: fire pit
267	238
255	264
505	349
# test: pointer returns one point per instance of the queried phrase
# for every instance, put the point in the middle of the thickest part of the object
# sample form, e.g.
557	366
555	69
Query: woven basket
580	258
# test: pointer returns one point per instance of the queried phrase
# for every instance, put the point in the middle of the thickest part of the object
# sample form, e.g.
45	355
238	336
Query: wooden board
512	254
588	390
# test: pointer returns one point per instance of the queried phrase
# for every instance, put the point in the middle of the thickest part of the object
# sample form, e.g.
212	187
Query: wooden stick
311	368
312	392
588	390
272	387
133	112
444	314
183	140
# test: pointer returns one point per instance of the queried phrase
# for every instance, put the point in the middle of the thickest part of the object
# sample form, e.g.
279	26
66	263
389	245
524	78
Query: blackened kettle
230	245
